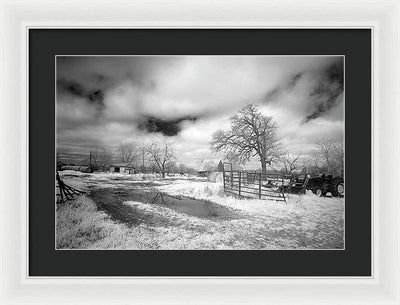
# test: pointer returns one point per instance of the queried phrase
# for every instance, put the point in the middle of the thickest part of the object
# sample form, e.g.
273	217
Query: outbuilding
123	168
207	171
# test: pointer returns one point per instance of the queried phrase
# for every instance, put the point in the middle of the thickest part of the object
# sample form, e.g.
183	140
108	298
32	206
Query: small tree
331	151
325	149
316	158
338	157
209	165
160	154
182	168
251	134
105	157
128	151
101	158
291	162
171	167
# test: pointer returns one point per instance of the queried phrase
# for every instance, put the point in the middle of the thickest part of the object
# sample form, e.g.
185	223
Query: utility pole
143	160
90	158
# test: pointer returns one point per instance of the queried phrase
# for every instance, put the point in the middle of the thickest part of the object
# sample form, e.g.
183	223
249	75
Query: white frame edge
381	16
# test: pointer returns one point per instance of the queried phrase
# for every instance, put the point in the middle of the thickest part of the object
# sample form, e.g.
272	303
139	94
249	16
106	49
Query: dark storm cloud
324	95
65	87
314	92
109	71
287	85
97	97
92	96
107	89
168	128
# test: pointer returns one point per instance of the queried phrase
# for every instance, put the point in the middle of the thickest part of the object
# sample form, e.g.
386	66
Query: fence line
255	185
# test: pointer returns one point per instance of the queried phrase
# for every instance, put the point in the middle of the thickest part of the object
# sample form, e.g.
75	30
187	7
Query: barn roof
220	166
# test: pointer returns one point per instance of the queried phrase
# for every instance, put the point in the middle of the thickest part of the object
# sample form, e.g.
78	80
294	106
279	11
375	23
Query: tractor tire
338	189
318	191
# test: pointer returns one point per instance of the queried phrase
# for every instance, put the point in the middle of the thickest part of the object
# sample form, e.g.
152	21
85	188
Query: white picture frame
382	17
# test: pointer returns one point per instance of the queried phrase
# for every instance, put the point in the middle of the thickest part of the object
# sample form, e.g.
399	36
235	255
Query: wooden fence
255	185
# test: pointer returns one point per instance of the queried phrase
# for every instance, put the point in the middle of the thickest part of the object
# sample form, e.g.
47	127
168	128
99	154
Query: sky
103	101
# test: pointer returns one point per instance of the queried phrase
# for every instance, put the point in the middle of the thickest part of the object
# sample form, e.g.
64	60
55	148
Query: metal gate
255	185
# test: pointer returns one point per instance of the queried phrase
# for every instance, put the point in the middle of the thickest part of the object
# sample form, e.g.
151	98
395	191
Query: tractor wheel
338	190
318	191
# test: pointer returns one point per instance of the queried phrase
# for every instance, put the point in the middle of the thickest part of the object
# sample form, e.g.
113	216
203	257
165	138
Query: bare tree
316	158
129	151
331	151
183	169
338	157
251	134
209	165
171	167
104	157
160	154
325	150
291	162
101	157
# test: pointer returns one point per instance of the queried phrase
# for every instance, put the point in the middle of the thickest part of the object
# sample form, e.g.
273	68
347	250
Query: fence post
240	178
259	186
283	191
223	175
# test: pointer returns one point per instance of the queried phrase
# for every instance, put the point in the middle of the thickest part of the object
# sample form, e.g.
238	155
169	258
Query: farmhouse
123	168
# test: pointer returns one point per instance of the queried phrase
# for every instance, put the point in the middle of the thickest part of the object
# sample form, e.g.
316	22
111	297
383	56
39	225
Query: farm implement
65	192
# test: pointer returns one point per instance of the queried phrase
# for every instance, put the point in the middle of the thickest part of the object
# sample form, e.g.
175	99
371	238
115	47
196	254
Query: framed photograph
205	160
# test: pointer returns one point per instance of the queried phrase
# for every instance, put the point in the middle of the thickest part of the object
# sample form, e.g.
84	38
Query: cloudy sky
103	101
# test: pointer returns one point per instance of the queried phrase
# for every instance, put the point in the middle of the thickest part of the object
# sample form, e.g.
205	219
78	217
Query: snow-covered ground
305	222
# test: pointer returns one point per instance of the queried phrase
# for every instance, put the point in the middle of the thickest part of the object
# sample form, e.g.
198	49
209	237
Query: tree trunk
163	174
263	167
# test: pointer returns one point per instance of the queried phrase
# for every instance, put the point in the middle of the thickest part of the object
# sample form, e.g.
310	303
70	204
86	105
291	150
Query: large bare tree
161	155
251	134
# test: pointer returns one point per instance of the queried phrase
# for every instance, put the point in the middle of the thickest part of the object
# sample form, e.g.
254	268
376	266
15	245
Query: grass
305	222
81	226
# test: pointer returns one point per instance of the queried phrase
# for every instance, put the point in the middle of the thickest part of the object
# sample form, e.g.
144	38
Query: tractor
319	184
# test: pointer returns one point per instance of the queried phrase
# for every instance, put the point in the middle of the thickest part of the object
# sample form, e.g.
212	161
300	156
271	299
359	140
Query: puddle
111	201
184	205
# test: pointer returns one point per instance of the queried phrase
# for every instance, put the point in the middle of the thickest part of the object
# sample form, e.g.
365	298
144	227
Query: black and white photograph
162	152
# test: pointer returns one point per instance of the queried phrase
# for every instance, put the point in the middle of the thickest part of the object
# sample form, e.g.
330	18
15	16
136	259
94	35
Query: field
146	212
